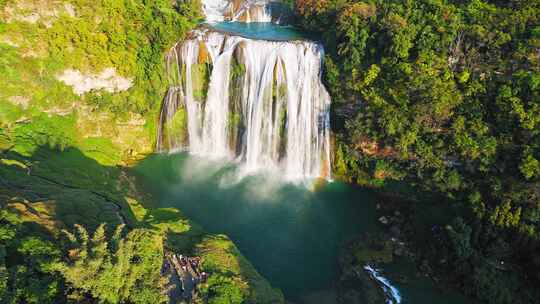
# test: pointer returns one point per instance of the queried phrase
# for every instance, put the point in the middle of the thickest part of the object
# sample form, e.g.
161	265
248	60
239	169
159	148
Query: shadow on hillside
54	189
59	188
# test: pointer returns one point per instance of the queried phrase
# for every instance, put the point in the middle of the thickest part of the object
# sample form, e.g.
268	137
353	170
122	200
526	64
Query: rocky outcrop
37	11
108	80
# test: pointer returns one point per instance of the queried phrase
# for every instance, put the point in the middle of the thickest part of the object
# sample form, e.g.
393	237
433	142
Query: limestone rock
107	80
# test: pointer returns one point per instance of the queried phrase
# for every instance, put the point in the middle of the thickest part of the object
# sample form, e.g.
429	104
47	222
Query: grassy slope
62	156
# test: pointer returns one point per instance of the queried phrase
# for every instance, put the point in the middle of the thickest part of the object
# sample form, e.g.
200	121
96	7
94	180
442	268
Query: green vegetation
66	185
441	94
120	270
372	250
238	281
178	125
444	95
52	190
39	41
238	70
235	122
200	75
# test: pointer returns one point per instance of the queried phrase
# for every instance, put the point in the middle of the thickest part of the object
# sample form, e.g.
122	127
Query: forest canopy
445	95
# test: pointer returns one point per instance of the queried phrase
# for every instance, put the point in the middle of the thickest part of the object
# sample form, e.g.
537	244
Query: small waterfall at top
237	10
259	102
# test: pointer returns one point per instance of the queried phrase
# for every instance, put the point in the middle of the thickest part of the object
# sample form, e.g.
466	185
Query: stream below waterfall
292	235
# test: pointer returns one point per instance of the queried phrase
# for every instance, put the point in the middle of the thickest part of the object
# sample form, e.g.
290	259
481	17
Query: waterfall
237	10
259	102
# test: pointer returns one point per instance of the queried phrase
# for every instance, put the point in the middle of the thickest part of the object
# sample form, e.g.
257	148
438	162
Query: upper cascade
256	101
243	10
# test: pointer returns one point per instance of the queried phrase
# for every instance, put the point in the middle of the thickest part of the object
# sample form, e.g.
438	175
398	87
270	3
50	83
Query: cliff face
98	64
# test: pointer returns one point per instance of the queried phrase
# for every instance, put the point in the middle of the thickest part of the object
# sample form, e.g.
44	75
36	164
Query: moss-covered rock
219	254
235	121
200	77
177	127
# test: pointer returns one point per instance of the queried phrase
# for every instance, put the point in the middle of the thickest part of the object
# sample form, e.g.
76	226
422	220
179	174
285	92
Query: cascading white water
259	102
237	10
265	104
393	295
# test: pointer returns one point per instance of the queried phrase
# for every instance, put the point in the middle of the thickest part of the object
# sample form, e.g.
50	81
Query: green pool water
261	30
291	235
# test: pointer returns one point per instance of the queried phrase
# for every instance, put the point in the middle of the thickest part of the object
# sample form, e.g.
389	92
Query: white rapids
392	293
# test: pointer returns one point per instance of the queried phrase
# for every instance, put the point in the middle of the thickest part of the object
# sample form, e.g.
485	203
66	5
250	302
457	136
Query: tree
460	239
530	167
29	276
124	269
